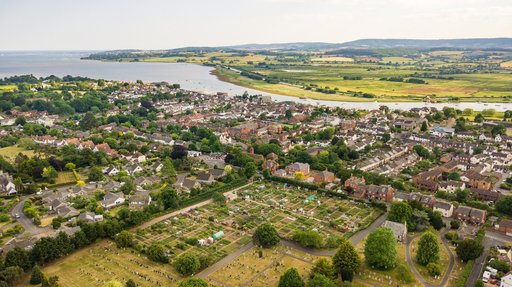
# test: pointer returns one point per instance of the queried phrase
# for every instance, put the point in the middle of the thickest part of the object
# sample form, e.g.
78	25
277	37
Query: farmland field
437	76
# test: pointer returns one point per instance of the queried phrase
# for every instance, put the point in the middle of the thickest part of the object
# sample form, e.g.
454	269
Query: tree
88	122
323	267
400	212
386	137
308	238
96	174
320	280
469	249
250	169
70	166
454	176
346	260
380	249
455	224
479	283
187	264
168	169
499	130
428	249
434	269
124	239
424	126
291	278
130	283
37	276
193	282
265	235
156	253
178	151
504	205
11	274
479	118
169	198
50	282
18	257
50	174
436	220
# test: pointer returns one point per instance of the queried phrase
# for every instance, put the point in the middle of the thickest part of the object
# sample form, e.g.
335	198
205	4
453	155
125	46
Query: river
189	76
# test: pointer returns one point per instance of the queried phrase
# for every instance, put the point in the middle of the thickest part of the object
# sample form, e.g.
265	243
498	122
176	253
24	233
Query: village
224	165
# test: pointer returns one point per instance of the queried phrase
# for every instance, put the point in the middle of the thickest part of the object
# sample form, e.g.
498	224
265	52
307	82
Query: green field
448	75
7	88
11	152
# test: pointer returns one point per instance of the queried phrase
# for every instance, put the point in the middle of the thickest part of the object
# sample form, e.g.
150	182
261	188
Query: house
471	215
324	177
399	230
353	183
112	199
205	177
66	211
445	208
506	281
157	166
90	217
462	213
380	192
133	169
7	185
298	167
504	226
189	184
486	195
110	171
140	199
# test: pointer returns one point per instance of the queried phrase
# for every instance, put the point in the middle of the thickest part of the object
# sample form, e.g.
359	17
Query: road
491	239
25	221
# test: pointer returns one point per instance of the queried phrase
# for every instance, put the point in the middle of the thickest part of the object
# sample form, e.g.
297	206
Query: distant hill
476	43
353	46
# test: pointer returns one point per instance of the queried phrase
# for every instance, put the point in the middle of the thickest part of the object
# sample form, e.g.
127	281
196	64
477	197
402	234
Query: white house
506	281
445	208
111	170
112	200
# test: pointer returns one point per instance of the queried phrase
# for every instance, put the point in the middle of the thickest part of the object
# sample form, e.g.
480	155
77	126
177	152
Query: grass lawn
11	152
399	276
45	221
444	260
102	262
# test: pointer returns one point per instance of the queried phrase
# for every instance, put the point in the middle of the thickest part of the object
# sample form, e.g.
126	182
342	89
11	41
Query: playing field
11	152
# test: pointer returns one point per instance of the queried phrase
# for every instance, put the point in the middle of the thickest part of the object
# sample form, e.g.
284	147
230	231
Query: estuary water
189	76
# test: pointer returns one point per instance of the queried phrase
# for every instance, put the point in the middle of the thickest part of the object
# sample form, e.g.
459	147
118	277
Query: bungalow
133	169
205	177
140	199
90	217
112	200
111	170
7	185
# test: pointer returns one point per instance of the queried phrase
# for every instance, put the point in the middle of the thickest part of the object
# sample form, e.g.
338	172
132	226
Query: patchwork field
288	209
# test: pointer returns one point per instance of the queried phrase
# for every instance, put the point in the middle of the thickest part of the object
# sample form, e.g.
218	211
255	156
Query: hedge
464	276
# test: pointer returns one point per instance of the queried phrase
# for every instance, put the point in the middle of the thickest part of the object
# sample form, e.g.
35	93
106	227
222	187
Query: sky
164	24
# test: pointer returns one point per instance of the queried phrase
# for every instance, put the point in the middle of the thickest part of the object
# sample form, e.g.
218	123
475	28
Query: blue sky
160	24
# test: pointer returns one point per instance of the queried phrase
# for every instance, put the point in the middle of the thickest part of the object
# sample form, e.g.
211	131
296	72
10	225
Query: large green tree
291	278
308	238
504	205
346	260
124	239
187	264
320	280
400	212
428	249
155	252
324	267
266	235
469	249
380	249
